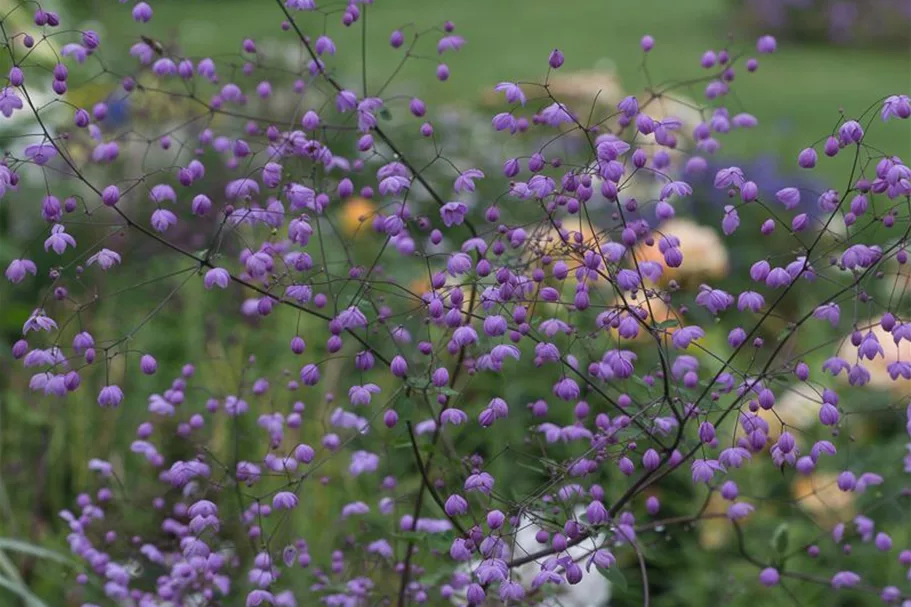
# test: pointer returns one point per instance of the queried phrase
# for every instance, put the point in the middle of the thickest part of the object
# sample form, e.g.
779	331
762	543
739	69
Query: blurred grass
798	91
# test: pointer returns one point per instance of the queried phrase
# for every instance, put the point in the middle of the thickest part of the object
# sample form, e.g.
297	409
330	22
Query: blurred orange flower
704	254
355	212
715	530
822	499
878	367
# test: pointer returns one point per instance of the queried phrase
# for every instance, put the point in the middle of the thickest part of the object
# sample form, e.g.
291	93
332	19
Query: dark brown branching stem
429	485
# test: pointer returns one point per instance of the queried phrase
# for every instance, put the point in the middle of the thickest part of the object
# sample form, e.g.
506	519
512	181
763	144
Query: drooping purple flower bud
555	60
769	577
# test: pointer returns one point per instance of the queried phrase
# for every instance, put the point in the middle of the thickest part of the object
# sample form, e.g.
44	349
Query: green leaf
667	324
780	539
9	567
385	114
535	469
405	408
615	576
22	591
418	383
36	551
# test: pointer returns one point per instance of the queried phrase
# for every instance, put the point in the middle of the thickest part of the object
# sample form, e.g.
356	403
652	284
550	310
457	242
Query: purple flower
453	416
512	91
143	52
453	213
40	153
504	121
866	479
627	280
777	278
556	114
351	318
59	240
440	377
731	220
807	158
860	256
850	132
760	270
360	395
345	101
511	592
148	364
465	181
678	188
728	177
898	369
714	300
766	44
324	45
704	469
620	362
450	43
460	550
734	457
9	101
739	510
110	396
769	577
828	414
18	268
259	597
596	513
566	389
629	106
829	312
555	60
458	264
750	300
869	347
456	505
240	188
683	337
836	365
284	500
898	106
479	481
166	67
105	258
363	462
142	12
162	219
789	197
217	277
845	579
39	321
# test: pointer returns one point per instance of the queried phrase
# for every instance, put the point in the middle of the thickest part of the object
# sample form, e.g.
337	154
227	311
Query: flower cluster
848	22
607	350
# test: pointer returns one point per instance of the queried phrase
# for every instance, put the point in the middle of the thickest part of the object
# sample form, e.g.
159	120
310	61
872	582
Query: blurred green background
797	95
